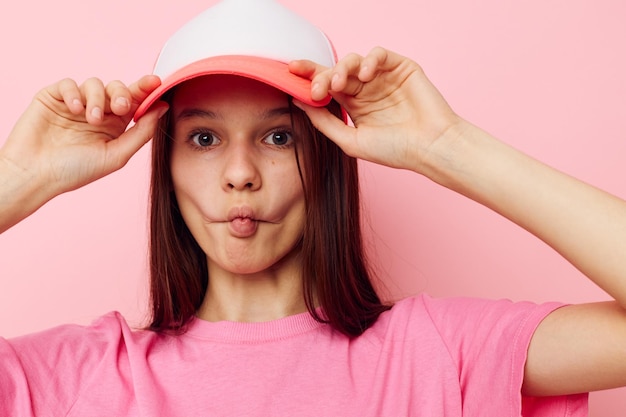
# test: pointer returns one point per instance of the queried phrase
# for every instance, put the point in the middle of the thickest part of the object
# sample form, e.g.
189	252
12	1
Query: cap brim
268	71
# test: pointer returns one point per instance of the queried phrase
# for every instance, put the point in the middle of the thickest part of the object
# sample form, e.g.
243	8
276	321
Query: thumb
129	142
332	127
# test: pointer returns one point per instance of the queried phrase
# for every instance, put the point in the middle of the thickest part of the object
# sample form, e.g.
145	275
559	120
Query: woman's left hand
398	114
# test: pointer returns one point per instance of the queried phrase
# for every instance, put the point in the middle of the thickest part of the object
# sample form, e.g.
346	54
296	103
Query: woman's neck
263	296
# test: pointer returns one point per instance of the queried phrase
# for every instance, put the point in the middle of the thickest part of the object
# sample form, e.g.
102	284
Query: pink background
546	76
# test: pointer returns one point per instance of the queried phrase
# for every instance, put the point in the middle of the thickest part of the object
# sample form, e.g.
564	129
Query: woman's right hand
69	136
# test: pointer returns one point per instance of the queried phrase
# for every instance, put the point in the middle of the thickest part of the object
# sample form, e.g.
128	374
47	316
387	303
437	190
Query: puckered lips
242	222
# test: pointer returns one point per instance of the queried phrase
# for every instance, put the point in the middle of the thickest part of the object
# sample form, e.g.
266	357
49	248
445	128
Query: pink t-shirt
425	357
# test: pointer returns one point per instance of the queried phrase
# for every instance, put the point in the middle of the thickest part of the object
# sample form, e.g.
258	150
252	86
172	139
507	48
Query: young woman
262	301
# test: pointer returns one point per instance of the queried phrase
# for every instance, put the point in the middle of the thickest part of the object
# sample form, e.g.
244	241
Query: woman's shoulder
55	366
456	317
436	308
108	331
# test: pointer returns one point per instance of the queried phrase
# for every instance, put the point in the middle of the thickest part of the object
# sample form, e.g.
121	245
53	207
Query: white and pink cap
249	38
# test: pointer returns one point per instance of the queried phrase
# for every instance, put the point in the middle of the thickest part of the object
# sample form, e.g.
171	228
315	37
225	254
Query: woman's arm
584	224
577	348
402	121
70	135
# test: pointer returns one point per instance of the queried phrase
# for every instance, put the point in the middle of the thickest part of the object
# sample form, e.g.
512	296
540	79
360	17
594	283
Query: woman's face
235	174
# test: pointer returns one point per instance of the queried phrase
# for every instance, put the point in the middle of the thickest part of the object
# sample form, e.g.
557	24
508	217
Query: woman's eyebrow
277	112
195	112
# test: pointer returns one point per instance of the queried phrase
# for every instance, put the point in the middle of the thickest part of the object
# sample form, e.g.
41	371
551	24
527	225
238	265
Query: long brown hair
335	272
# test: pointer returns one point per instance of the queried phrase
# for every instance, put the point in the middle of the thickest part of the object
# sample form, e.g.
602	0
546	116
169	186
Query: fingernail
122	102
96	112
334	79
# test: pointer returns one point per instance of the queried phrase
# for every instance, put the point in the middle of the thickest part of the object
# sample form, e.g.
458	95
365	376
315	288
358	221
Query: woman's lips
242	226
242	221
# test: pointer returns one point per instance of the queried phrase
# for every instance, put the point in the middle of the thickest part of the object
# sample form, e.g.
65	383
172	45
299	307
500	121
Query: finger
345	71
129	142
305	68
140	89
67	91
376	60
309	70
118	97
380	60
341	79
95	96
332	127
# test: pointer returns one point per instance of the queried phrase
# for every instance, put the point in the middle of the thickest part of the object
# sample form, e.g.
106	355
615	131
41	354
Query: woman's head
312	215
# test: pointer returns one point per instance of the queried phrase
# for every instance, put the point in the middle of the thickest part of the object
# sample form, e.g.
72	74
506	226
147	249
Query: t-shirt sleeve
43	373
489	342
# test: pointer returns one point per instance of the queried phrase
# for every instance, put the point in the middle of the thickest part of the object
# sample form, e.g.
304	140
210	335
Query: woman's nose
240	168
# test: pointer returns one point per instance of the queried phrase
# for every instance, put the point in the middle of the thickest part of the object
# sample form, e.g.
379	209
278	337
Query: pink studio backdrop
546	76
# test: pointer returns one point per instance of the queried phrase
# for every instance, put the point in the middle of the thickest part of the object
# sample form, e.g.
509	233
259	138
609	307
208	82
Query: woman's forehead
216	90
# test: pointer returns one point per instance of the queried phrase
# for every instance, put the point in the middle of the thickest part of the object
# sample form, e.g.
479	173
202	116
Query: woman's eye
204	139
279	138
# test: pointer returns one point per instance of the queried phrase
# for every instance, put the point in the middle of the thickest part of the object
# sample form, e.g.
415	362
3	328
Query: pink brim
273	73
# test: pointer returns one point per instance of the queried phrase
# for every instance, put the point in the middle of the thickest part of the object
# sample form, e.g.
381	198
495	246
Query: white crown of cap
261	28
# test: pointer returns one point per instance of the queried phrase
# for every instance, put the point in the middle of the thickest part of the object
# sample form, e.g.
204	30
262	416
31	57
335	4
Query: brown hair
335	273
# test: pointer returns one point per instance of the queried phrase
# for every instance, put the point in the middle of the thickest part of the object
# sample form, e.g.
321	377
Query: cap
250	38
